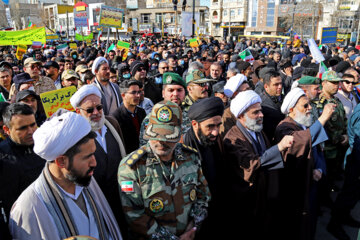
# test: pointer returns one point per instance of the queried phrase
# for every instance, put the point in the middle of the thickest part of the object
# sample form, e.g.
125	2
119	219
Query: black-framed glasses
347	82
141	69
91	109
205	84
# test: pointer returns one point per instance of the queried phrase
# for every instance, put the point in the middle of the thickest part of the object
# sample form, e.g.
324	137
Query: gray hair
233	70
195	66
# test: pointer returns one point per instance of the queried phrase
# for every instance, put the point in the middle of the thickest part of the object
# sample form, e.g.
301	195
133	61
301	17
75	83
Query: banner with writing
123	45
73	46
80	37
111	17
53	100
23	37
20	51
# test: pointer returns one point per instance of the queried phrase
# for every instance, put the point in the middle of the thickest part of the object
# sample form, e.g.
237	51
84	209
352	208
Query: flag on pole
112	47
322	69
247	56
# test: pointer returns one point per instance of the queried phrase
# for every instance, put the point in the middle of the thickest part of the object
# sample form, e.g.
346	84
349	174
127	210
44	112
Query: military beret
206	108
170	78
308	80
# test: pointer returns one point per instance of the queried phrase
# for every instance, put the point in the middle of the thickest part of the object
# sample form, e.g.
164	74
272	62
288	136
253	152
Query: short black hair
3	106
269	75
346	75
15	109
71	152
125	85
112	70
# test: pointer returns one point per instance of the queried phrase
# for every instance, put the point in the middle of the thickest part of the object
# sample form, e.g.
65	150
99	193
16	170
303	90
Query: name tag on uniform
127	186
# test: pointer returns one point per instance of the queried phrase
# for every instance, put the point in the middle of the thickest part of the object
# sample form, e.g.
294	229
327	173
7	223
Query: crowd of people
170	141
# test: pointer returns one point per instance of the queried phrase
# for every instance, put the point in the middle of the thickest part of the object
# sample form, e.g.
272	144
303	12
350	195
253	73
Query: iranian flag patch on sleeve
127	186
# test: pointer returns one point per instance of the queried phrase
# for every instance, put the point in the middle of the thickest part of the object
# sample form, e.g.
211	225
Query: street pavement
323	234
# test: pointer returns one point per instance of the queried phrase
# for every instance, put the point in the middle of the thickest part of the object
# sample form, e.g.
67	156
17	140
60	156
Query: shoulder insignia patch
188	148
135	156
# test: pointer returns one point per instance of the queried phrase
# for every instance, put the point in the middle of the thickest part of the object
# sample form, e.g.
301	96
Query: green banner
79	37
23	37
123	44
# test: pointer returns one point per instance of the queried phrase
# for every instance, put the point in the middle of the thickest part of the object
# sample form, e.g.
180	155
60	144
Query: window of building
215	15
254	13
158	17
232	13
225	12
217	26
145	18
240	11
270	13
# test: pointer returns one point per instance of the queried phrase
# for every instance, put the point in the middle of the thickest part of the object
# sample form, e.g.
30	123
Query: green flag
246	56
2	98
112	47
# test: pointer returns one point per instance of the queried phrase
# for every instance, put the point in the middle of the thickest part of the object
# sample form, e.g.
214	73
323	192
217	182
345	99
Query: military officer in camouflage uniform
163	191
198	88
335	128
173	90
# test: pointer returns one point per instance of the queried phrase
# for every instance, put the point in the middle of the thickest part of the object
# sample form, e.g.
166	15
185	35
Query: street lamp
292	22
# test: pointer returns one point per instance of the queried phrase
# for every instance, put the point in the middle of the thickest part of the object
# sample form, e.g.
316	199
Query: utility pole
193	24
67	24
292	22
229	23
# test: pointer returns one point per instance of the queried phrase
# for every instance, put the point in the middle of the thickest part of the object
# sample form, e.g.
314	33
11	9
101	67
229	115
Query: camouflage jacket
44	84
160	201
186	104
335	127
185	126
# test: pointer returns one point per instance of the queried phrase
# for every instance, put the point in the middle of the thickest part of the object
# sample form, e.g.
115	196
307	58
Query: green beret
308	80
170	78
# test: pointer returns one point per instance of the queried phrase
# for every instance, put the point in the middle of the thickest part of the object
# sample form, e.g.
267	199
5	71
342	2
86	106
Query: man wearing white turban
250	162
109	144
233	86
110	92
301	170
65	200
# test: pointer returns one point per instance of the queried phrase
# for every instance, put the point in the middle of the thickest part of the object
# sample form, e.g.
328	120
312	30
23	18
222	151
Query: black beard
76	178
204	140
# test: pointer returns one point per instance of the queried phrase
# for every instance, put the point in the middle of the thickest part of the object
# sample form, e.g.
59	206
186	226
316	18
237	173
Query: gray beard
252	125
96	126
302	119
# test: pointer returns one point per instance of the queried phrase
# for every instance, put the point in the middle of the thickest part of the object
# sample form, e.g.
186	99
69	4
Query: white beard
252	125
302	118
96	126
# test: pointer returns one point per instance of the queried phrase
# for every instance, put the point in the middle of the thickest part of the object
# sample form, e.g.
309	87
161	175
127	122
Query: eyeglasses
347	82
35	66
91	109
164	67
135	92
141	69
205	84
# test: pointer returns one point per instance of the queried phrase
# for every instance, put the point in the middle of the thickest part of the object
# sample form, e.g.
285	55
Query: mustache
163	145
90	170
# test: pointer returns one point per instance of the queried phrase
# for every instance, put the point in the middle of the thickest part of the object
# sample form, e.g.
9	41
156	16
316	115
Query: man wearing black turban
205	116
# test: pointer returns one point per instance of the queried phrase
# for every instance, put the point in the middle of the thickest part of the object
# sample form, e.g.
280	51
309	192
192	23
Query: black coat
272	114
153	90
128	129
19	167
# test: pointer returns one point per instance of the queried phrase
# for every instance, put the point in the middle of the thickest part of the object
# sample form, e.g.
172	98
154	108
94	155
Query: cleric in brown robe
298	174
249	158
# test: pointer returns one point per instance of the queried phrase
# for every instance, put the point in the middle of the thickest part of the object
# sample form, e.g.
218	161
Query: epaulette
188	148
135	156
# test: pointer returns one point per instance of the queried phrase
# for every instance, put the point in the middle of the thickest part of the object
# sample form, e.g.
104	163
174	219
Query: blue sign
329	35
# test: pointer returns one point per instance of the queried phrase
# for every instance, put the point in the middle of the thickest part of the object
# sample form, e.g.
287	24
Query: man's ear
6	130
62	161
77	110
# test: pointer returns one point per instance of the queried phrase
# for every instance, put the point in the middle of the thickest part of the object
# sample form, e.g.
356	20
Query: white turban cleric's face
96	118
302	112
254	118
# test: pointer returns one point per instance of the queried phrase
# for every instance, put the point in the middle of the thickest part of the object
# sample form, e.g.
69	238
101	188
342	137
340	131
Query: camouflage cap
170	78
308	80
164	122
31	60
67	74
196	76
81	68
330	76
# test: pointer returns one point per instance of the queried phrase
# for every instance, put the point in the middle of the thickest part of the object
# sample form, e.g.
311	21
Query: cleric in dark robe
65	200
109	142
250	160
299	166
205	115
